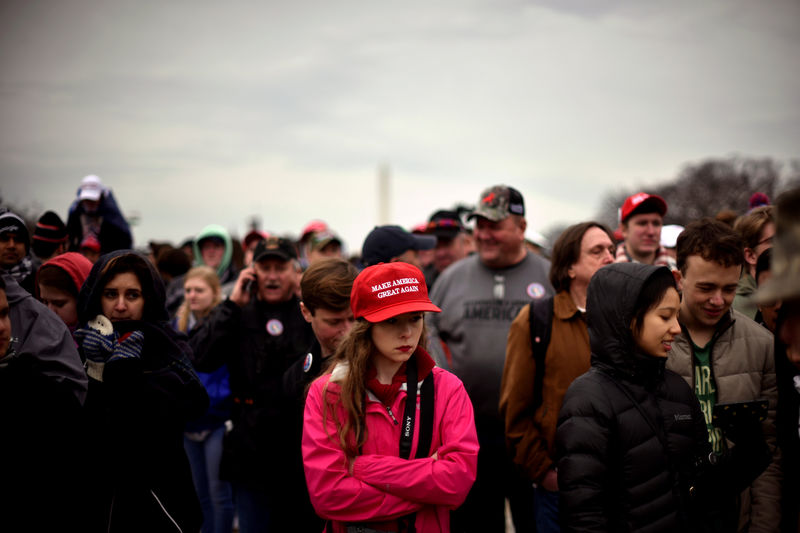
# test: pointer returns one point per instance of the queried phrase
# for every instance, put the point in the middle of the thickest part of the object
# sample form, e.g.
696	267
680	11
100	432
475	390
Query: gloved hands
128	346
101	345
97	342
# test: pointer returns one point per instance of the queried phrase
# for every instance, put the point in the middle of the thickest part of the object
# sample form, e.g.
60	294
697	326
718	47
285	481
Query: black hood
152	289
610	303
163	346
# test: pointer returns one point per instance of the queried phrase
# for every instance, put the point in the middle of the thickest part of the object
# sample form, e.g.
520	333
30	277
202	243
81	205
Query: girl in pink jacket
371	462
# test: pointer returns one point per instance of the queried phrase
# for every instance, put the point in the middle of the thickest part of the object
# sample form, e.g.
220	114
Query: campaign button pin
274	327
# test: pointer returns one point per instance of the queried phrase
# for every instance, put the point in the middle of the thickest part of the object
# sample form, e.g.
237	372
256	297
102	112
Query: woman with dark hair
628	427
632	445
367	471
537	372
142	390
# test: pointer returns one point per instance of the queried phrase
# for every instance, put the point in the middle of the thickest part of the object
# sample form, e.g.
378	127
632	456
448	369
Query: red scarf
387	393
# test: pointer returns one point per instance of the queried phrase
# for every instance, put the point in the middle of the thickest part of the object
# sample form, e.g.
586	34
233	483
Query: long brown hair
208	275
355	350
567	252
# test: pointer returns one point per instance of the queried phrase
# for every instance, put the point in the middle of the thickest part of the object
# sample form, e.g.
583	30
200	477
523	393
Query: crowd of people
449	377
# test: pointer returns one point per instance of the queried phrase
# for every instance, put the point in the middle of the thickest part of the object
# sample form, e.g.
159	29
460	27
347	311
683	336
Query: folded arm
441	480
335	494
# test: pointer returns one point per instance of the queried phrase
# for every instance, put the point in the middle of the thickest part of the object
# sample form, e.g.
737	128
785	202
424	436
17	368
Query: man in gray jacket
42	390
724	355
41	336
480	296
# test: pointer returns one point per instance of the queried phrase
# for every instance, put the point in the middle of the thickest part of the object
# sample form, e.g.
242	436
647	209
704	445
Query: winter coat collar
563	306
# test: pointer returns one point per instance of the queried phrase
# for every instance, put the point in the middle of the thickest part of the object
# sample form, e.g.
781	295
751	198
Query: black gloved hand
750	454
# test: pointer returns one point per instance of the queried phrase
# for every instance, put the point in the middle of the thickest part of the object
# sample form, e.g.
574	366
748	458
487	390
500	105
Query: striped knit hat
50	228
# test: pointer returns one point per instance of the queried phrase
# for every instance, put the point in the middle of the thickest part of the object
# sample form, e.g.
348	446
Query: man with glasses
757	229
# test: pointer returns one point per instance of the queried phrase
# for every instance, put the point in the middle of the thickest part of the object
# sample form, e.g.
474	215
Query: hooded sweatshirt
224	270
74	264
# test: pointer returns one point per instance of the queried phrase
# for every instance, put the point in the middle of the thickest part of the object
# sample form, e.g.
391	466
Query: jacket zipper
111	512
391	414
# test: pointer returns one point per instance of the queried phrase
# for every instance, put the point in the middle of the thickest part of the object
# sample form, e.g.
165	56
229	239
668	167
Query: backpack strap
540	321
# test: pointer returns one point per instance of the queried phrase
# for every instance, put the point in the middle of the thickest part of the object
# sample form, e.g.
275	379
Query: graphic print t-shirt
706	390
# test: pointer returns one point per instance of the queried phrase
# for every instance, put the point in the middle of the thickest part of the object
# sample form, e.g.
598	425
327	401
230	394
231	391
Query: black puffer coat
137	475
629	430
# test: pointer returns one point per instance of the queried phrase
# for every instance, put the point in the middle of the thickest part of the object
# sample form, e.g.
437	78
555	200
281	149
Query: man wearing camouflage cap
479	297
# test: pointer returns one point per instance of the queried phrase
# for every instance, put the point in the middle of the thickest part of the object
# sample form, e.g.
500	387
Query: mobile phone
249	286
731	414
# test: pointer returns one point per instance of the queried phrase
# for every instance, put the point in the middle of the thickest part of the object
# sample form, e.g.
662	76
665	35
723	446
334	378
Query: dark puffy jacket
628	430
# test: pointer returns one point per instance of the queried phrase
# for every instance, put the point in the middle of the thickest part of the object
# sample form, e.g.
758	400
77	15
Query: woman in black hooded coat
632	444
142	390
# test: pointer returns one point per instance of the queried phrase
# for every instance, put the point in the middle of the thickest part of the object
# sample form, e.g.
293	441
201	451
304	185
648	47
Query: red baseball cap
637	201
311	227
254	235
389	289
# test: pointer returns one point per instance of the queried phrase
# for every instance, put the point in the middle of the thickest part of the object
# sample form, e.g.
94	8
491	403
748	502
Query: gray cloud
199	112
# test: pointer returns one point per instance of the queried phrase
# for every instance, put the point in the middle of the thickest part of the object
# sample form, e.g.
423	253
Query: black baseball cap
275	247
385	242
444	224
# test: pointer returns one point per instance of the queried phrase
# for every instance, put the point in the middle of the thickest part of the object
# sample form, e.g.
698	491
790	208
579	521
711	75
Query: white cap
669	235
536	238
91	188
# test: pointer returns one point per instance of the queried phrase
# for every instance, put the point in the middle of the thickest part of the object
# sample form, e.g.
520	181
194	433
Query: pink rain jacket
384	486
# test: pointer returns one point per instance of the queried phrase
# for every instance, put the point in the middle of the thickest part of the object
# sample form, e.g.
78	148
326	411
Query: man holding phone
725	356
258	332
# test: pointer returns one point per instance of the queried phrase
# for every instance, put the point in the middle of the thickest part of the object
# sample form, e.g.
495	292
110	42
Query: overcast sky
199	112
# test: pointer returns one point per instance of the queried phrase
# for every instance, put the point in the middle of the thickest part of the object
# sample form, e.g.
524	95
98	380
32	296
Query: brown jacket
530	436
743	366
